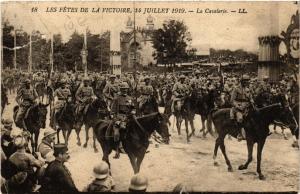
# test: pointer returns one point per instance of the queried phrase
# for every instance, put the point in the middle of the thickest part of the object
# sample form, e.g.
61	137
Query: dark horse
41	90
256	125
95	111
66	121
206	101
135	138
150	106
35	119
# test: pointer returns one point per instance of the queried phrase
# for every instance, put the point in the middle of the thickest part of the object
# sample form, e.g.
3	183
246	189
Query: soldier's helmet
26	81
101	170
181	77
138	182
112	76
7	122
245	78
197	72
147	78
63	82
124	85
86	79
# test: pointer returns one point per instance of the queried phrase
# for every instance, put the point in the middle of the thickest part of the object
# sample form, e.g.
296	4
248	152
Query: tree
171	41
8	42
72	51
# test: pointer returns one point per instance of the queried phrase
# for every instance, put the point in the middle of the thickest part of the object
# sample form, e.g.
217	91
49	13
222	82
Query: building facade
142	45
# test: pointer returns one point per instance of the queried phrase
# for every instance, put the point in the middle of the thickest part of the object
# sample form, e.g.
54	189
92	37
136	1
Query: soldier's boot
117	141
231	114
173	107
117	155
242	134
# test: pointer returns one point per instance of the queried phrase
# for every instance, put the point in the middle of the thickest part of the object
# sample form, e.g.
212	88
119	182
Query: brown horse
34	120
256	125
135	138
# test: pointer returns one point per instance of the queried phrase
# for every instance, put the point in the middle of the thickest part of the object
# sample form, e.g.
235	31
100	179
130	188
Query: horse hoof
242	167
78	143
85	145
261	177
96	150
285	137
230	169
216	164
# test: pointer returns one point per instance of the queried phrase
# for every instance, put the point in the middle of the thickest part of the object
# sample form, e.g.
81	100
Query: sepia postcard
141	96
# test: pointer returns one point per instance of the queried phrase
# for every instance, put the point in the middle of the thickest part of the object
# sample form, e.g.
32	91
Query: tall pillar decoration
268	58
115	53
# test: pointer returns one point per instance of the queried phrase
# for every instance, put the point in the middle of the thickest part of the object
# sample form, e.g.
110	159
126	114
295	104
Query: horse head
286	115
163	128
100	105
41	111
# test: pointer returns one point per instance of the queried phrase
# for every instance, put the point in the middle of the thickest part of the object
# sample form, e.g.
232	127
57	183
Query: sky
220	31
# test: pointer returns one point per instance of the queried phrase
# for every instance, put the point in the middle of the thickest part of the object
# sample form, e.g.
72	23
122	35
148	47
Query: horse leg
69	131
36	138
32	143
187	130
250	144
260	146
217	144
140	160
106	151
86	127
57	133
133	161
178	124
203	124
222	146
77	130
192	126
284	135
94	143
65	136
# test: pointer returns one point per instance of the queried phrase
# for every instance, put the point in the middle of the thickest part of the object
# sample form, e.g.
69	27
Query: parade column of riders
118	94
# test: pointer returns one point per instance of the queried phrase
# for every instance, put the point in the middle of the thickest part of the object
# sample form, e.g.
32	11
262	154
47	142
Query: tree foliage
171	41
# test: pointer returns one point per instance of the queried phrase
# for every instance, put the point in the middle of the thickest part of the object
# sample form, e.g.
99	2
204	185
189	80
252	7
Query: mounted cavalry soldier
195	82
26	98
122	108
84	96
110	90
241	100
264	91
180	90
146	93
61	96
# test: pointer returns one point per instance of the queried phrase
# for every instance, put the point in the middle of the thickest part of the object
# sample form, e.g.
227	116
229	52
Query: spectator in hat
45	147
21	161
138	184
57	177
103	182
6	138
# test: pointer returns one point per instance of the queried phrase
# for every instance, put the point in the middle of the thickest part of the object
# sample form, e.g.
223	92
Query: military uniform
46	150
84	97
62	94
179	90
25	98
110	91
57	178
240	99
146	93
